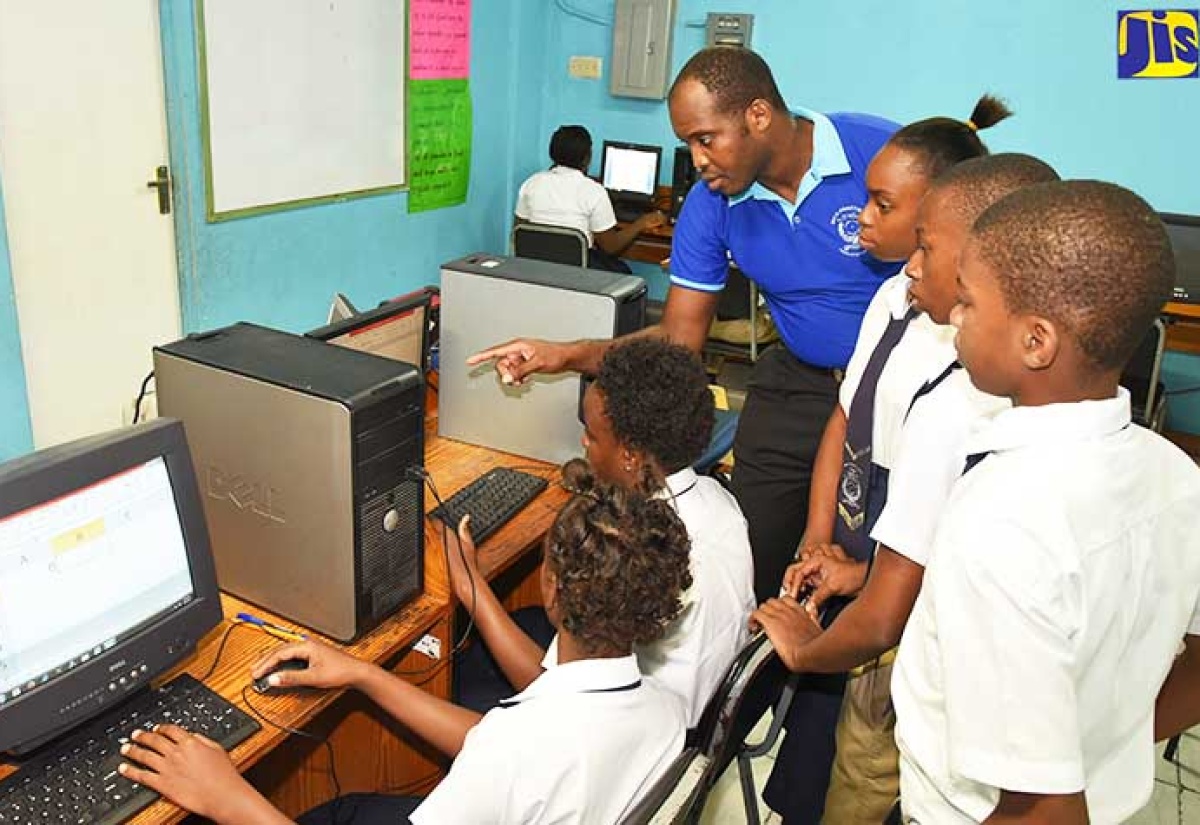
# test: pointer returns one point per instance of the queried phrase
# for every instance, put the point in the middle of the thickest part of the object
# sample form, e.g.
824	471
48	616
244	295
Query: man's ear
1040	342
758	116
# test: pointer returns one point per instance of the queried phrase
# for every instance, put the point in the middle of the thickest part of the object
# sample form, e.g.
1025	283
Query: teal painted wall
1054	62
282	268
16	435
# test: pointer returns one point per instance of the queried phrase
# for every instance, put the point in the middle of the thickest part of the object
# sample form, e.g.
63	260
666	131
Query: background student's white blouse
562	196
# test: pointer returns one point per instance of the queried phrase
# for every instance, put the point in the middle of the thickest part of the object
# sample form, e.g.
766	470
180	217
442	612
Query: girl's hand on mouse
328	667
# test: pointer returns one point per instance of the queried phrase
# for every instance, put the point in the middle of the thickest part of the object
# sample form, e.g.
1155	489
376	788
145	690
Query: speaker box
682	177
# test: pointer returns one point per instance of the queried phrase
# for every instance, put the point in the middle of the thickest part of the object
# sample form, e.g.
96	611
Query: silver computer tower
304	454
487	299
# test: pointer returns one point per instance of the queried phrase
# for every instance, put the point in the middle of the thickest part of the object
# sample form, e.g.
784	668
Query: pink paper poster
439	39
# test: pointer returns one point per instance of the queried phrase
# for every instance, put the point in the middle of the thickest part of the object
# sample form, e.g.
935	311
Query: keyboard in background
76	779
629	213
490	500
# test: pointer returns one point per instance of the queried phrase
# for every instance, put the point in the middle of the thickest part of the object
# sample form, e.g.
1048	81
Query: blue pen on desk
274	629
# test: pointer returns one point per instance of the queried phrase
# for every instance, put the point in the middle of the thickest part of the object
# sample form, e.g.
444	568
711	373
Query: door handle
162	182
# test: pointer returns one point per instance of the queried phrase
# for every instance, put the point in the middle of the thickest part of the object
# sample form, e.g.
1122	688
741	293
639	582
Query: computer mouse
262	685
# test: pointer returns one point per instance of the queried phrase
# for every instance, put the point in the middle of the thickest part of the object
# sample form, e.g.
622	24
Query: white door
82	129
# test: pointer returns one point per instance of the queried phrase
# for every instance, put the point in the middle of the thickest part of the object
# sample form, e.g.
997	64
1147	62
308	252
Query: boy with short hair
1066	566
931	421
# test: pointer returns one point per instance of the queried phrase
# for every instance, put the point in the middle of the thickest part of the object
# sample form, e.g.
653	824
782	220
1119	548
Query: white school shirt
562	196
579	746
1064	574
930	455
698	647
921	355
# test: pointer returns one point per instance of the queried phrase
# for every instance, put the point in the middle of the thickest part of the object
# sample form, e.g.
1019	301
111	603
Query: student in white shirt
564	195
647	417
928	451
896	352
1066	566
580	744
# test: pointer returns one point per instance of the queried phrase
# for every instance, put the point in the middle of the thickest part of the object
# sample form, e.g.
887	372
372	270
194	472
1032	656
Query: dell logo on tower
243	494
1158	43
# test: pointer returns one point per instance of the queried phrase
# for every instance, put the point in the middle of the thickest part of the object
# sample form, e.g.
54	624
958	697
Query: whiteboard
301	100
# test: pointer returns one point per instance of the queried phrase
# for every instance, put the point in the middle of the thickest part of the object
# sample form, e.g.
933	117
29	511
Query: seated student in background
564	195
853	460
647	417
928	454
1065	569
582	743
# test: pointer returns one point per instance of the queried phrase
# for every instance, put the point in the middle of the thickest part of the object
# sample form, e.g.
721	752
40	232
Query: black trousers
363	809
787	406
479	683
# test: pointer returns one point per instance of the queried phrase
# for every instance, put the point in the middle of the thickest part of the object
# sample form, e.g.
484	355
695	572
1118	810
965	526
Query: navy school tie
850	528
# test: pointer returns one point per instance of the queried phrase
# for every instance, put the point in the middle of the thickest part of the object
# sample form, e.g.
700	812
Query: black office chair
557	244
755	681
738	303
1143	378
674	798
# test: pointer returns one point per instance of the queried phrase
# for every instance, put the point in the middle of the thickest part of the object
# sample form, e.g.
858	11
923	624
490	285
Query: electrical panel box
724	29
641	59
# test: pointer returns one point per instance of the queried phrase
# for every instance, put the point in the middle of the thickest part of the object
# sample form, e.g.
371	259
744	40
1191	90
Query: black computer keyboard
491	500
629	214
76	780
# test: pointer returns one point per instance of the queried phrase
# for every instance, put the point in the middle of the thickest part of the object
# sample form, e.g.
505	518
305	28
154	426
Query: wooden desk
373	753
653	246
1183	333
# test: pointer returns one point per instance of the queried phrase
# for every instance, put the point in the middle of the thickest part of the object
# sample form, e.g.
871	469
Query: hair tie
970	124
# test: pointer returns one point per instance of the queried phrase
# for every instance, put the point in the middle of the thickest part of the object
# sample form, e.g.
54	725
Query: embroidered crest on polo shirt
845	221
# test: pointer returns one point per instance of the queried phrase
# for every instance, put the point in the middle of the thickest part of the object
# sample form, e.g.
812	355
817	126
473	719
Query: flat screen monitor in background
630	170
106	576
397	329
1184	231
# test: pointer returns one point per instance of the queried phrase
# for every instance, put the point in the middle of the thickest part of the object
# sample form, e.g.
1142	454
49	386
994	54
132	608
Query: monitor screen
630	168
102	566
1184	231
397	329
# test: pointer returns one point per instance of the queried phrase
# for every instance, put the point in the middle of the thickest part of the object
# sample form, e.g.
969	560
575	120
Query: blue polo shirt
805	257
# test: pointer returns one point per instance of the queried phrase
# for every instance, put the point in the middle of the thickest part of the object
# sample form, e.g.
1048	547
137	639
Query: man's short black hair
656	396
734	76
1091	256
571	146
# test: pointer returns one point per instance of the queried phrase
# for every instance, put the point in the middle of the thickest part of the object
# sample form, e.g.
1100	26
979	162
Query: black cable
333	777
137	402
220	649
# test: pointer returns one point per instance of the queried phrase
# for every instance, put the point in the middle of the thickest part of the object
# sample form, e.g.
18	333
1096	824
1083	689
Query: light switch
584	67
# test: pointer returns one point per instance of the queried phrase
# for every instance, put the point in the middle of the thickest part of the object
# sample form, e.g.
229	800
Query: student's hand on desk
328	667
827	571
464	566
789	627
650	220
515	360
191	770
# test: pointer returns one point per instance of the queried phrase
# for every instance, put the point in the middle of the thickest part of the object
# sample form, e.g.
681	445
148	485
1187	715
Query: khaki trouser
865	782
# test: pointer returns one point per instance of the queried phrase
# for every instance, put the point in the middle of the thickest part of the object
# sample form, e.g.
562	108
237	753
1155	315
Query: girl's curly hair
621	560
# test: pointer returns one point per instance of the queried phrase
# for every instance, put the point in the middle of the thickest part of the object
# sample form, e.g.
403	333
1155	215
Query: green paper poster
439	143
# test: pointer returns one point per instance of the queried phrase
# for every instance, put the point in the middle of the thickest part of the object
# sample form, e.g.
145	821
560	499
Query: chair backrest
1142	376
557	244
752	684
673	798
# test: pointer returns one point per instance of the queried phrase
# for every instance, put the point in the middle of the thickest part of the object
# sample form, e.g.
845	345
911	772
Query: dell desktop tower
488	299
305	455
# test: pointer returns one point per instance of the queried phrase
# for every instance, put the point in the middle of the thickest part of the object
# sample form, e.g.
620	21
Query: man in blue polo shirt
780	196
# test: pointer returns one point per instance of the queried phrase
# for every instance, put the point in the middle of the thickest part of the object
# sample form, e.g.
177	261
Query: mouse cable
333	777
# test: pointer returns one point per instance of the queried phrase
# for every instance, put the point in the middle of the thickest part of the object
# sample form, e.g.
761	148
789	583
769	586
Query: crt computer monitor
106	576
630	170
1184	231
397	329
